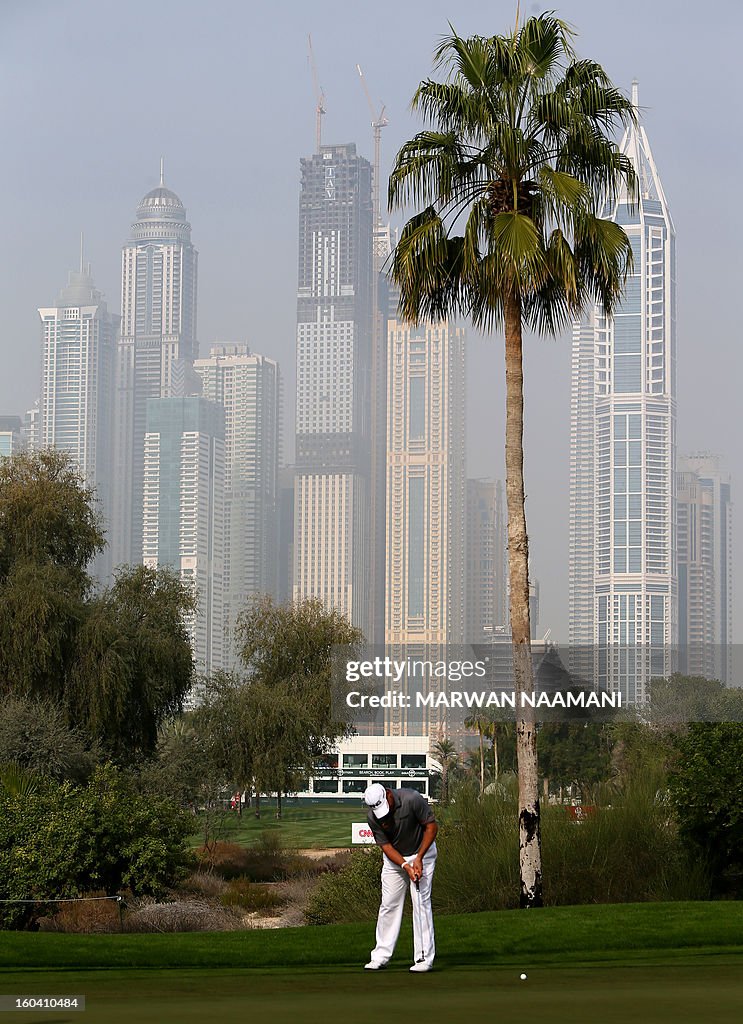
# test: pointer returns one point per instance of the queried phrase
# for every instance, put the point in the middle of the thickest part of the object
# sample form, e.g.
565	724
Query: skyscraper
183	510
426	474
623	582
78	341
156	347
11	434
705	567
248	386
487	601
333	414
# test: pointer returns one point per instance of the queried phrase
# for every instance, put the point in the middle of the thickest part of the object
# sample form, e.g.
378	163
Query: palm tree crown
519	158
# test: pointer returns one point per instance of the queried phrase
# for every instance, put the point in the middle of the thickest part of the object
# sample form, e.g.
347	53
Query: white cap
375	798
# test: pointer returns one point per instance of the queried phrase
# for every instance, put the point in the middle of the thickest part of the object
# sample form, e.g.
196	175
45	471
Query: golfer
404	826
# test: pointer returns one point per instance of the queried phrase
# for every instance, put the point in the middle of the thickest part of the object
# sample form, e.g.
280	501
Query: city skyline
234	199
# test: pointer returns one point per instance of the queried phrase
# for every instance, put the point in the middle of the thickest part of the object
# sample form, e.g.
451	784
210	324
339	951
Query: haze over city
95	94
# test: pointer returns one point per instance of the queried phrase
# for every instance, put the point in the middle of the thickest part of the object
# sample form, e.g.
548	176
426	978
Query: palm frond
520	149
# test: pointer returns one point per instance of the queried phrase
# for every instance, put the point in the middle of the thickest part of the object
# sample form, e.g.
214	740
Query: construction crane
319	96
378	122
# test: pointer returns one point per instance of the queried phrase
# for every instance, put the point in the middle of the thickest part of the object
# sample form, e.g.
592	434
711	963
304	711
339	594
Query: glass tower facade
248	386
426	484
156	347
623	574
183	510
332	511
78	344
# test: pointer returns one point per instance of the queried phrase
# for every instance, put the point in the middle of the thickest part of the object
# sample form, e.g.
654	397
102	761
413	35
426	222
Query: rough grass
627	851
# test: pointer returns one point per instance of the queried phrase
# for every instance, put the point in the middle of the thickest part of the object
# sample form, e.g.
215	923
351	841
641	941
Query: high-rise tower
78	339
248	386
156	347
426	480
705	568
183	510
623	582
486	561
334	365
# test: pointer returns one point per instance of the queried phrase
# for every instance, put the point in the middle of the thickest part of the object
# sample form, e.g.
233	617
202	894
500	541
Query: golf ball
523	977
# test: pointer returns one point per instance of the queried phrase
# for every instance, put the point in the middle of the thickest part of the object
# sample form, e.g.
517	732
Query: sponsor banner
361	833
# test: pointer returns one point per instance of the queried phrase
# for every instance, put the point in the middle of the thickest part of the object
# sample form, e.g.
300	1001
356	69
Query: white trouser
395	883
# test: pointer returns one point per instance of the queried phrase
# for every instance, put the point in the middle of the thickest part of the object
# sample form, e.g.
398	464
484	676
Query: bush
184	916
350	895
60	841
264	862
246	895
707	791
91	915
34	734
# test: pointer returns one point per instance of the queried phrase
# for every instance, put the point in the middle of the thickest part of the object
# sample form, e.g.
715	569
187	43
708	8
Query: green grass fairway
697	991
303	826
650	963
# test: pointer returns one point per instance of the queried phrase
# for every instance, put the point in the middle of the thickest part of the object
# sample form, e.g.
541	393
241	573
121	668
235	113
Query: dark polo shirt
410	814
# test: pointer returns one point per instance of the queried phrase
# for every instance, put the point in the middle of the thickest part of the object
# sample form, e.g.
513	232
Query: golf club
418	919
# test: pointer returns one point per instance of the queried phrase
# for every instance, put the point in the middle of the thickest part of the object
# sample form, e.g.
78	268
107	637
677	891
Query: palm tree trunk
482	759
530	852
495	753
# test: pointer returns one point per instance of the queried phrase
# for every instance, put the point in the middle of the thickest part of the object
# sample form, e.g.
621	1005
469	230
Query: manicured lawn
671	962
303	826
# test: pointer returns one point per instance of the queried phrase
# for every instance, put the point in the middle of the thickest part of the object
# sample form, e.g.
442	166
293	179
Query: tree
480	722
707	790
518	152
575	753
446	754
288	648
34	734
47	515
116	662
134	663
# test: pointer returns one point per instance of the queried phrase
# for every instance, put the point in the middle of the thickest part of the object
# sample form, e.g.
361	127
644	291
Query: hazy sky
93	92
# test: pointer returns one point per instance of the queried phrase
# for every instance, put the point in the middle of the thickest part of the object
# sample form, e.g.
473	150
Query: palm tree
481	723
446	754
495	729
518	156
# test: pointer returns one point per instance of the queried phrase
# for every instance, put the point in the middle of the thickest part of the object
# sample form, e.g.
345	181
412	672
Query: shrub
191	916
90	916
34	734
228	860
350	895
264	862
707	792
62	841
204	884
246	895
